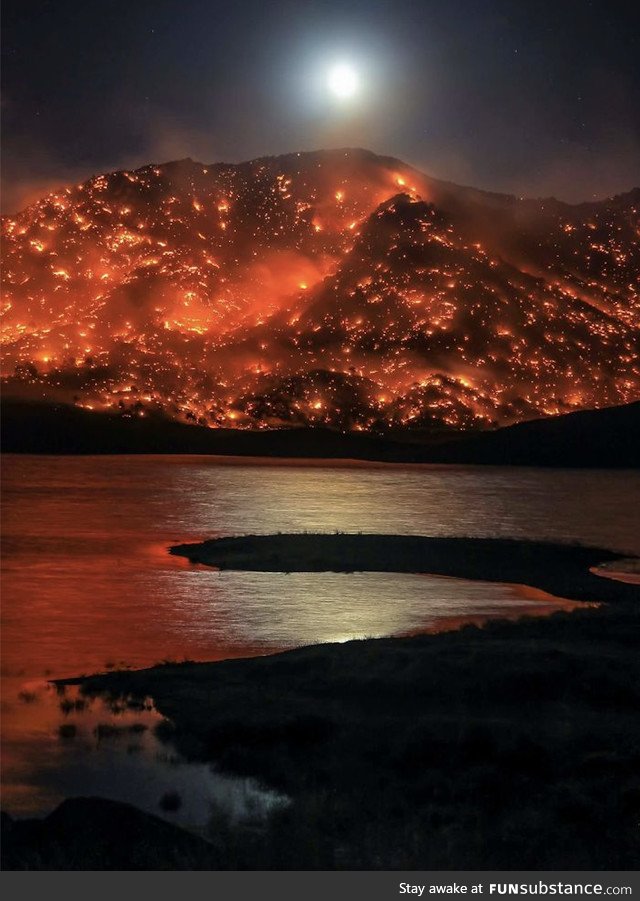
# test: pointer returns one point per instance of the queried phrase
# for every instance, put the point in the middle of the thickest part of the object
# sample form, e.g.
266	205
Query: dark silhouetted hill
592	438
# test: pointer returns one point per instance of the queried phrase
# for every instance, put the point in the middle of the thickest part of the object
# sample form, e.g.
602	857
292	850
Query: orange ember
241	294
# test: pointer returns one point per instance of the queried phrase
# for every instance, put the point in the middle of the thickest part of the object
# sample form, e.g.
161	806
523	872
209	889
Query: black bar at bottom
329	886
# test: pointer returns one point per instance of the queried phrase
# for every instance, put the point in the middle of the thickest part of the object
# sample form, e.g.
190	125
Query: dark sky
533	97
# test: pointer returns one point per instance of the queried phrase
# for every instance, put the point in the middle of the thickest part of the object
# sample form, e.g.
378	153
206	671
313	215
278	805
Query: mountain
334	288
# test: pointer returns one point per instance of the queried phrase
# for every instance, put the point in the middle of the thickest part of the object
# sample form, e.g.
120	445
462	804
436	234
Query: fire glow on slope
334	288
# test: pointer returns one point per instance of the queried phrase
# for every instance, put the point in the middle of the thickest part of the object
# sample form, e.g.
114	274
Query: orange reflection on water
88	583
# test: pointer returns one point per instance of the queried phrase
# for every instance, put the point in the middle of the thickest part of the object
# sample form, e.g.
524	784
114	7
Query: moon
343	81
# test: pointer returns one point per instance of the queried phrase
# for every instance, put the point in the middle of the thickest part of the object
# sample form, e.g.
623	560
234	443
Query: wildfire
261	294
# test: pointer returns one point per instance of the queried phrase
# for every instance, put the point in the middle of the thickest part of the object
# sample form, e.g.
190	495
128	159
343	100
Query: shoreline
466	749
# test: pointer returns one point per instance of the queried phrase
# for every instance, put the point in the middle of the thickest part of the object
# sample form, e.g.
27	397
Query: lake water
88	584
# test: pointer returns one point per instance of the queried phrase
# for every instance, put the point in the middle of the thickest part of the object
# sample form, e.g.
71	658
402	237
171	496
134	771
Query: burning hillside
335	288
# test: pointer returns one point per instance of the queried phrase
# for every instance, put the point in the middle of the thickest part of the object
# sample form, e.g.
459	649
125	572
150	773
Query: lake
88	584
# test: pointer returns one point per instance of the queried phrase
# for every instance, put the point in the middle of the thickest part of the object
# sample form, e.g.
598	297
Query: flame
262	295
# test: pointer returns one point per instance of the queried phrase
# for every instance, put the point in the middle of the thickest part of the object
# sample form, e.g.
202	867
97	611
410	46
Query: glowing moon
343	81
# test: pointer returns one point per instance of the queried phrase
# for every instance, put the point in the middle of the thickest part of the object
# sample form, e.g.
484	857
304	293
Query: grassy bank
515	745
558	569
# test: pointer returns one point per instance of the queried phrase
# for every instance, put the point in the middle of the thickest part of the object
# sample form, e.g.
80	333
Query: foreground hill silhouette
331	288
594	438
98	834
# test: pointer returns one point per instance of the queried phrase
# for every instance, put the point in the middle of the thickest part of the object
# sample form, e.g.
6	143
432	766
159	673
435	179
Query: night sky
528	97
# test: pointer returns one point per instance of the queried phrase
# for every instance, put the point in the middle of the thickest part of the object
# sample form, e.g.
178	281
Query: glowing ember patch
201	306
